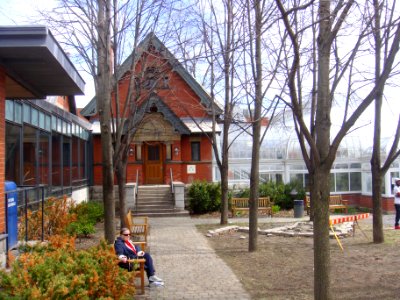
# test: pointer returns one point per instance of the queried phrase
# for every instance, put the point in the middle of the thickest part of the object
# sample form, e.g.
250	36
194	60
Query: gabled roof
90	109
152	39
153	102
156	102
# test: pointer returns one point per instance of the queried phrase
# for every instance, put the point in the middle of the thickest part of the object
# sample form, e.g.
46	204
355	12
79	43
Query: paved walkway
189	266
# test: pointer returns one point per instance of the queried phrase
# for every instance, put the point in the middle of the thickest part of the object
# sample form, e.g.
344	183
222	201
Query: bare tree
319	150
124	112
220	32
221	42
258	100
259	58
382	33
103	86
100	33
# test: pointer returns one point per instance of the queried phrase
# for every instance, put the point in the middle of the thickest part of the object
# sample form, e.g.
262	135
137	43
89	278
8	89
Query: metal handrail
22	193
25	189
137	183
172	181
136	189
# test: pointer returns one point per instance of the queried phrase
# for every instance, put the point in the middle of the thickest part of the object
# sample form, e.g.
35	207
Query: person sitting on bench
126	249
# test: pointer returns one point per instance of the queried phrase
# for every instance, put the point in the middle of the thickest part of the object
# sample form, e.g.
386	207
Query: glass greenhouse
281	161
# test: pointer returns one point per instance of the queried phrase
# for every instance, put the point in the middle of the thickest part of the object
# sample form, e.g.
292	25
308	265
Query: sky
23	12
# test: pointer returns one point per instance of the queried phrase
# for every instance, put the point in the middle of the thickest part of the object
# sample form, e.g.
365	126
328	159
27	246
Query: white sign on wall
191	169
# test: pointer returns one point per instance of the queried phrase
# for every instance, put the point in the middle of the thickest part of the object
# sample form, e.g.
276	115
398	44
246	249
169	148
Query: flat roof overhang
35	64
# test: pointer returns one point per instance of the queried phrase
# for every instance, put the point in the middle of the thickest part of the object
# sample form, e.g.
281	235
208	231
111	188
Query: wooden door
154	164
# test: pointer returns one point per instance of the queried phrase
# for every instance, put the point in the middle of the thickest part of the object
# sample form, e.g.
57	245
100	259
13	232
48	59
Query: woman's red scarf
129	244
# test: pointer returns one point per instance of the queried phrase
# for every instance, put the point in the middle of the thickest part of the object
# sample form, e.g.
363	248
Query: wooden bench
138	226
242	204
139	272
335	202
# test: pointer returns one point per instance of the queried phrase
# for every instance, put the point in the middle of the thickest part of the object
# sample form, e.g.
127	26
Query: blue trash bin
12	213
298	208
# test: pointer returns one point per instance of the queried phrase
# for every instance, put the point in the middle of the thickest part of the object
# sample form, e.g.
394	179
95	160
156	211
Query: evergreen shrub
87	215
58	271
204	197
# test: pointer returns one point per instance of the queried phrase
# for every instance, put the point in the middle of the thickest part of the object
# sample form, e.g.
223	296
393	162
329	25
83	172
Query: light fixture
130	152
176	151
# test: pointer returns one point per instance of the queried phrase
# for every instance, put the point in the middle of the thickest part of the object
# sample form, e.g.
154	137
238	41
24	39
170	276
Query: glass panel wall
56	162
83	146
29	155
44	148
75	159
44	158
66	162
13	153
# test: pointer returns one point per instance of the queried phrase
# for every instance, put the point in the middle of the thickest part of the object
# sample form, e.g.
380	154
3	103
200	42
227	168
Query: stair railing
172	180
136	189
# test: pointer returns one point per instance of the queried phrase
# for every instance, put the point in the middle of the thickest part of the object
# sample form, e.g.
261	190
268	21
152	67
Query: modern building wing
32	66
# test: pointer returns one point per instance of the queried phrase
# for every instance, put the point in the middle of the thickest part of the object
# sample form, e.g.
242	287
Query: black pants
397	206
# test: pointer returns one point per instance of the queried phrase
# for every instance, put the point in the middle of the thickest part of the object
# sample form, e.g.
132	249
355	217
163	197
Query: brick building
172	120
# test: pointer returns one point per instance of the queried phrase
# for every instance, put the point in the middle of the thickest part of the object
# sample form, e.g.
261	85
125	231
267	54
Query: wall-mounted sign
191	169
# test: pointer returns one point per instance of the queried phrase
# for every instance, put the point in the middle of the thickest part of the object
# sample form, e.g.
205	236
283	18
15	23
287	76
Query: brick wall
182	100
366	201
2	148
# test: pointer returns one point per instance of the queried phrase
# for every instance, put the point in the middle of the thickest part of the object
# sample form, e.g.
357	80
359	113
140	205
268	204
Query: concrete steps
156	201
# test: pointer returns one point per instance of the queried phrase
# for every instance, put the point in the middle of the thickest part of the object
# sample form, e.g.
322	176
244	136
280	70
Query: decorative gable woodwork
154	127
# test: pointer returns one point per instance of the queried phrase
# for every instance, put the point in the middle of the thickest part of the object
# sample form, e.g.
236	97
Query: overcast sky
23	12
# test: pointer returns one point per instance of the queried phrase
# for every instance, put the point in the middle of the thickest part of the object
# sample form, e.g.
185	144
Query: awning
35	64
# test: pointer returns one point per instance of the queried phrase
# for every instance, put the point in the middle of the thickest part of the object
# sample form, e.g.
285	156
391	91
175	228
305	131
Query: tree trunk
321	188
103	82
377	225
121	179
320	196
255	157
224	196
228	114
225	155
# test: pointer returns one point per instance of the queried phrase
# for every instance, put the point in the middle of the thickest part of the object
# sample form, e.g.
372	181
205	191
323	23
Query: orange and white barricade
353	218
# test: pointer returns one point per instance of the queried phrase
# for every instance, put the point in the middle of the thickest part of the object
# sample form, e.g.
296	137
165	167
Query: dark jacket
122	249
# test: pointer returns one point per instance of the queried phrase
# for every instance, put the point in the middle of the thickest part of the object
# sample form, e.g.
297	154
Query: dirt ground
282	268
